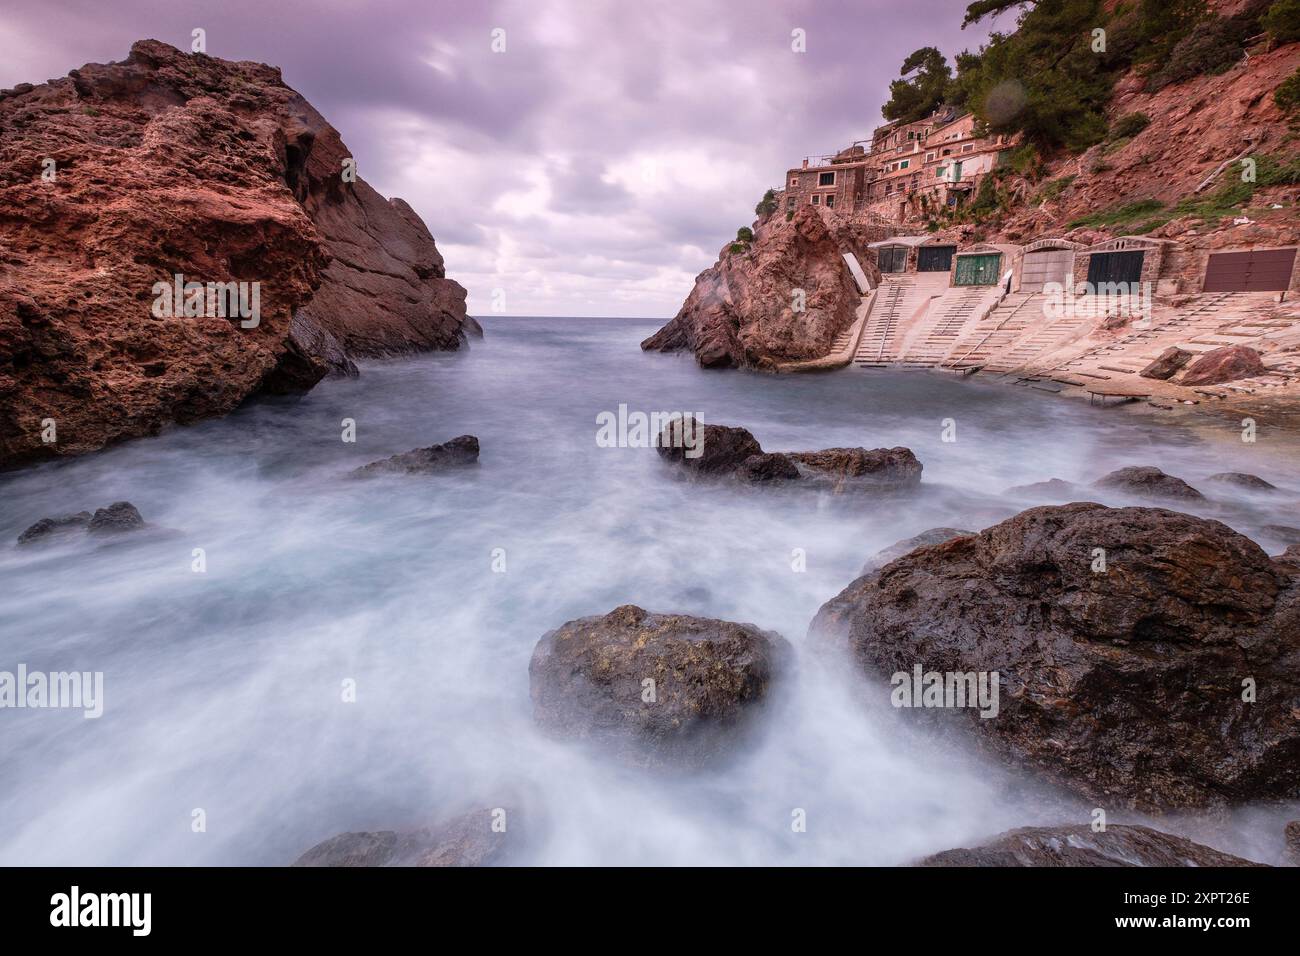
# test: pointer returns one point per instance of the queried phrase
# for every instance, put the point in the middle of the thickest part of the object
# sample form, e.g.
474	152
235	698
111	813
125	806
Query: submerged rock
457	453
1145	481
908	545
1125	683
1117	845
478	838
846	468
767	467
118	517
59	525
654	688
1242	480
1054	489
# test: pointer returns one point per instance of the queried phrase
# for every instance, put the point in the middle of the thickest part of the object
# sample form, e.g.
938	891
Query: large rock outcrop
1227	364
655	689
121	176
1167	677
743	309
1120	845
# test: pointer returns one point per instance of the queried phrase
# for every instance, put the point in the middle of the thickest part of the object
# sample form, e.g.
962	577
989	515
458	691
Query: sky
593	162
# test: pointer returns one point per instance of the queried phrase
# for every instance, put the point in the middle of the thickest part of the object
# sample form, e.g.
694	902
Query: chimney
805	163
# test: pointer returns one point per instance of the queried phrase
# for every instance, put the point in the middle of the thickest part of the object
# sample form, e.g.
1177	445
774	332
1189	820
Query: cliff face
743	311
122	176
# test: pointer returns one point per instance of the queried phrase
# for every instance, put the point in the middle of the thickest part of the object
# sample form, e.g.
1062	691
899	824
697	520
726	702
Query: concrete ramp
860	277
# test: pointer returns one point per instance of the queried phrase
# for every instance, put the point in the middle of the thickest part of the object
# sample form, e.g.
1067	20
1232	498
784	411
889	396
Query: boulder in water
923	540
1117	845
457	453
1145	481
655	689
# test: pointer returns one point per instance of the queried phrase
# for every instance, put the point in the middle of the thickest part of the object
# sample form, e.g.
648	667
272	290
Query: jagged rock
1124	684
457	453
908	545
1145	481
61	524
1168	363
1226	364
1054	489
589	681
471	839
118	517
767	467
169	163
1117	845
846	468
721	448
743	311
1242	480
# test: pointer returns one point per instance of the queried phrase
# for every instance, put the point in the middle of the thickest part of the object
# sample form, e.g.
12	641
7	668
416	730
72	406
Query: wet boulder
1145	481
908	545
1117	845
767	467
846	469
1144	657
655	689
1054	489
457	453
701	449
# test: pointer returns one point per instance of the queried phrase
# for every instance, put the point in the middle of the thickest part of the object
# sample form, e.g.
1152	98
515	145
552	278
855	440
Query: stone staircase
898	301
996	332
948	318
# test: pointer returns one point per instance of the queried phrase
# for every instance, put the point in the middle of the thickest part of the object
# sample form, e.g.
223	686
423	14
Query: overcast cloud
594	166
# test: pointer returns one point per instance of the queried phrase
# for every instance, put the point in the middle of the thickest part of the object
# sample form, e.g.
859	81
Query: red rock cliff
169	163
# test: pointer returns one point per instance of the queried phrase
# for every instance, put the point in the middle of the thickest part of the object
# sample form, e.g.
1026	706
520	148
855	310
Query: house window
825	179
830	202
938	173
968	147
929	156
794	181
947	152
817	199
904	164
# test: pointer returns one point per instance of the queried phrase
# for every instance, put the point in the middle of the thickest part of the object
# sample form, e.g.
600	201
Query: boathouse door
977	270
1123	267
935	258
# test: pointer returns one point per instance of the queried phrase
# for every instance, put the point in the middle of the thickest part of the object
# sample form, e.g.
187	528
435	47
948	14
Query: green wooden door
978	270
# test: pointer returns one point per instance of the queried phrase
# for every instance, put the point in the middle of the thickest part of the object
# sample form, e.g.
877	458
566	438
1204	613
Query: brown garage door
1263	270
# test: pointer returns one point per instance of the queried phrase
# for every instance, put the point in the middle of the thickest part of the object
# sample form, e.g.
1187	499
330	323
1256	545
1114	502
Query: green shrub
1287	95
1053	189
745	234
1127	214
1212	46
767	205
1129	125
1282	21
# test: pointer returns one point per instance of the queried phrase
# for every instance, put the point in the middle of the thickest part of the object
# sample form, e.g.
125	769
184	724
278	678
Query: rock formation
908	545
1223	365
745	309
478	838
457	453
729	451
118	178
1145	481
119	517
1168	363
1117	845
1243	481
1128	684
655	689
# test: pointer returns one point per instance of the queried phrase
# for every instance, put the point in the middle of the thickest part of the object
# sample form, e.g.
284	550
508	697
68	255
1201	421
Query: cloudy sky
593	166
